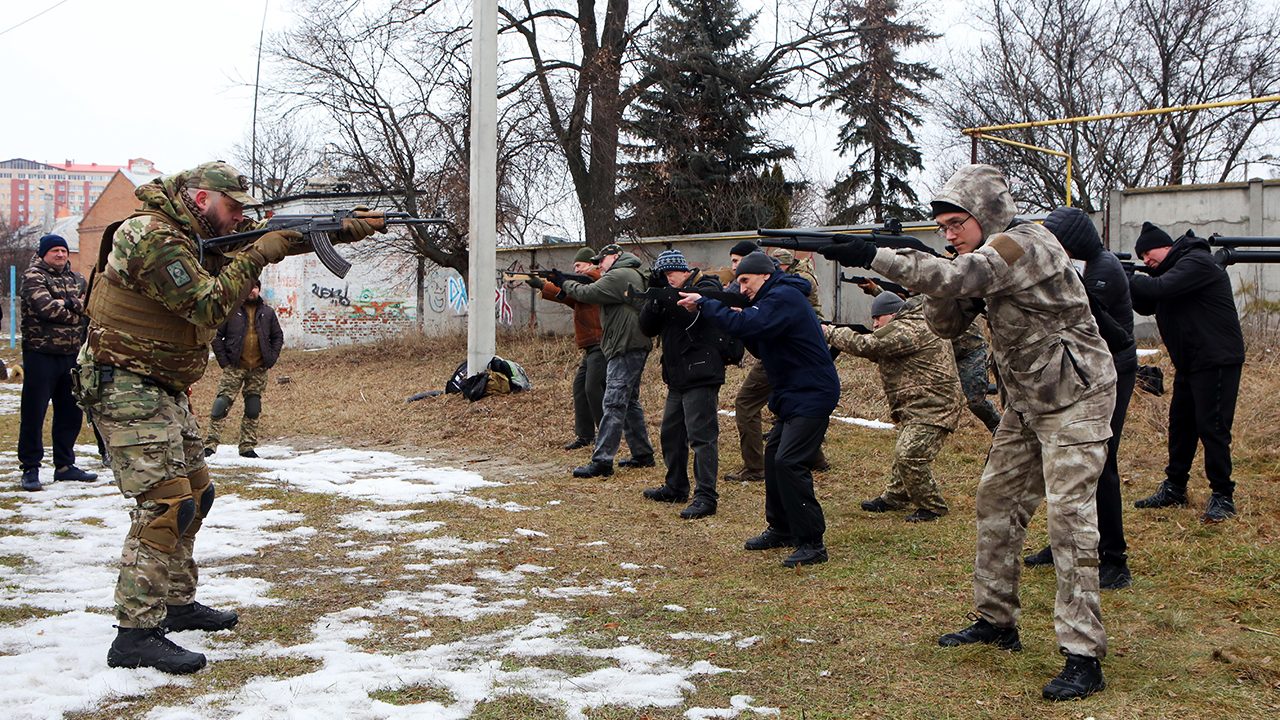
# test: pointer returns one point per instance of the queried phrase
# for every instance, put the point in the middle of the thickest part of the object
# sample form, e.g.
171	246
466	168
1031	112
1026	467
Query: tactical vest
113	306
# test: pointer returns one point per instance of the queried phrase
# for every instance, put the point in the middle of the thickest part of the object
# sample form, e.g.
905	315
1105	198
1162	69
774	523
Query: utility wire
33	17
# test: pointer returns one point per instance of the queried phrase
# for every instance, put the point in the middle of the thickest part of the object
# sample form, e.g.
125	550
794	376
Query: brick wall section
116	203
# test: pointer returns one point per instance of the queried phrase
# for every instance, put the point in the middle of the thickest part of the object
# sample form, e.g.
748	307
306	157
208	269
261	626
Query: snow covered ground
58	550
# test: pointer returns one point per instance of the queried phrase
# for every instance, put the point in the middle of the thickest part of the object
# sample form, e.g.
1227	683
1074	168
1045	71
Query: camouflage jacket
160	259
53	318
917	368
1048	353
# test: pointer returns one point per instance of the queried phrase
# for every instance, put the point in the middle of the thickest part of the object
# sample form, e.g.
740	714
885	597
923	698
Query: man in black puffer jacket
693	371
247	345
1190	295
1108	291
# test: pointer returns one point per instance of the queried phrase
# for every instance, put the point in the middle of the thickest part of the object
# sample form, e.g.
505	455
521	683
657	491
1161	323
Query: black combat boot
1220	508
148	647
31	480
1044	557
810	553
198	617
637	462
984	632
250	453
768	539
1081	678
877	504
1167	495
922	515
662	493
700	507
1114	575
594	469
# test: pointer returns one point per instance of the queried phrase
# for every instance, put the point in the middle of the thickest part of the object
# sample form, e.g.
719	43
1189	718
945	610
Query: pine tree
876	92
700	165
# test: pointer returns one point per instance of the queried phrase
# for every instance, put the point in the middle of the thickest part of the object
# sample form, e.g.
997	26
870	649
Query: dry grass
852	638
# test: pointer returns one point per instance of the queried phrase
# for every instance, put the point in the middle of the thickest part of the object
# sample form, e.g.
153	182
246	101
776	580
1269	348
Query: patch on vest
178	273
1007	248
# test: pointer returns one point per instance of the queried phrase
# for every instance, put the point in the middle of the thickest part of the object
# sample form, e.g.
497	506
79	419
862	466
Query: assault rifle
856	327
522	275
892	287
670	294
1130	267
887	236
1229	252
319	229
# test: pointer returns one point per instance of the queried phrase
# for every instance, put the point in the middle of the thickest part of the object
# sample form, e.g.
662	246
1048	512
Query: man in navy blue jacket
781	328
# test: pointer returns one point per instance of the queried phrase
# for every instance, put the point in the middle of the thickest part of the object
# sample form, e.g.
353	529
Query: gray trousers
588	393
622	411
689	422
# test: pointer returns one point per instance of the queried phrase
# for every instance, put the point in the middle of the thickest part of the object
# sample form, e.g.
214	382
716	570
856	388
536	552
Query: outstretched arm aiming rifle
555	276
321	231
873	285
672	295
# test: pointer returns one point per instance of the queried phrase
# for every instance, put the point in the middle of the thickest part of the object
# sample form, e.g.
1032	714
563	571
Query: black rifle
318	229
522	275
887	236
670	294
860	329
892	287
1217	240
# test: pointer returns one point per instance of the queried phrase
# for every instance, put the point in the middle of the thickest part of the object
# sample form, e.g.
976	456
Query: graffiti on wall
457	294
335	296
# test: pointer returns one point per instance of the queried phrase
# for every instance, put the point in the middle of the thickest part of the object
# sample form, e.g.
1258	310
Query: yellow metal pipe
1037	148
1113	116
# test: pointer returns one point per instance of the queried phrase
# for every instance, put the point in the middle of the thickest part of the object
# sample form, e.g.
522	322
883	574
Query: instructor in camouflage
154	302
1058	382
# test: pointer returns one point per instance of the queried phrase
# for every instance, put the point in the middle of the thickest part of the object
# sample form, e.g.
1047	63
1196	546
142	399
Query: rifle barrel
1238	241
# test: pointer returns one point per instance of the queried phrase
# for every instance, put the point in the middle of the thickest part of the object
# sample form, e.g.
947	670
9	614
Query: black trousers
1202	409
1112	548
47	377
689	422
790	505
588	393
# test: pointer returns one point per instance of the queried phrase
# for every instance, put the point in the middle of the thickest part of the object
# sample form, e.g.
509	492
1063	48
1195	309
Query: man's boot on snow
198	617
148	647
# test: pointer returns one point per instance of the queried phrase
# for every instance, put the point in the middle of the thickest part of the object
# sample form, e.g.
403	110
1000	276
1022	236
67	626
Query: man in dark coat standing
1190	295
53	327
782	330
693	371
247	345
1108	290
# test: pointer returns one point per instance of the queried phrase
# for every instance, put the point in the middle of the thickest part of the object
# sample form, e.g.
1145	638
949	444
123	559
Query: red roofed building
33	193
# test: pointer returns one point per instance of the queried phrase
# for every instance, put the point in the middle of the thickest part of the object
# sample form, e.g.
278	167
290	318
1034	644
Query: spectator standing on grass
155	304
918	373
626	350
588	381
1191	297
53	324
782	330
693	371
1058	381
246	346
1108	290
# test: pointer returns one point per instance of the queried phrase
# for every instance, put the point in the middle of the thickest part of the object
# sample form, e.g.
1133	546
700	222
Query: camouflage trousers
235	381
972	367
1056	456
911	479
155	452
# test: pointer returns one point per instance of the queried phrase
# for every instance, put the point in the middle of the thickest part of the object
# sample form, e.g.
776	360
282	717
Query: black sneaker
806	554
148	647
198	617
593	469
662	493
877	505
699	508
1167	495
634	462
1044	557
1114	576
922	515
579	442
1081	678
209	452
71	473
984	632
249	453
768	539
1220	507
31	480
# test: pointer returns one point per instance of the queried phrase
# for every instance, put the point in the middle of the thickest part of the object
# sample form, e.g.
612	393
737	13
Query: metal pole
481	326
13	305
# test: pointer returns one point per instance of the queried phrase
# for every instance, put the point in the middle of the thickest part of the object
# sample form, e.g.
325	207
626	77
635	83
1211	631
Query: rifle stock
812	240
892	287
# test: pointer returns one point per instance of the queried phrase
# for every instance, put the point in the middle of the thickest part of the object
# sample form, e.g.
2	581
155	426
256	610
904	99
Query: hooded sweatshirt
1191	297
1047	350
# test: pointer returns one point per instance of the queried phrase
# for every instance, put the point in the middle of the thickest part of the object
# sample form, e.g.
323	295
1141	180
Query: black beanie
744	248
49	242
1151	238
756	263
941	206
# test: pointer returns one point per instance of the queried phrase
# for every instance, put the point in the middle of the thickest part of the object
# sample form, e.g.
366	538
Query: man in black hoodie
1108	290
1191	297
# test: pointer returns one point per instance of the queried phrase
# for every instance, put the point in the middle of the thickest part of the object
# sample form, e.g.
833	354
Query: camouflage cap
784	256
610	249
223	178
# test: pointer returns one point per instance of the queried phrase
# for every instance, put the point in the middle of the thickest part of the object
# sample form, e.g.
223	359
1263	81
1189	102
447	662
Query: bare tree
286	155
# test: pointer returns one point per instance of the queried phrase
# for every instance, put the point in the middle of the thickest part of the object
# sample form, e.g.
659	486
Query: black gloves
849	251
555	277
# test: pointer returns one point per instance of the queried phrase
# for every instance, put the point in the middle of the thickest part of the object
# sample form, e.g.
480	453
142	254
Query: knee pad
221	406
177	511
203	492
252	406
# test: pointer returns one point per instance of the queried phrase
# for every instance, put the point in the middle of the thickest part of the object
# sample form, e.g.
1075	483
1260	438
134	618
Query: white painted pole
481	327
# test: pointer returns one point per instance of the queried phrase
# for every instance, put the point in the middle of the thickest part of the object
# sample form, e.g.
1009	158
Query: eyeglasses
945	229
